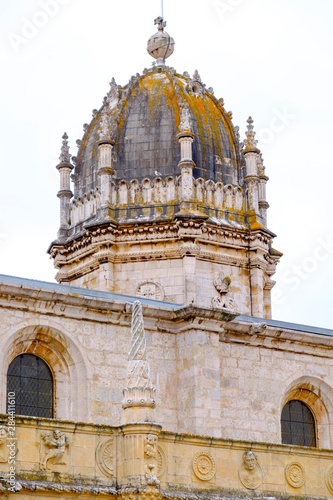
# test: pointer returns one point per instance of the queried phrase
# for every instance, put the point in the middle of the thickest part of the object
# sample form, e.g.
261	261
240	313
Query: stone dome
142	120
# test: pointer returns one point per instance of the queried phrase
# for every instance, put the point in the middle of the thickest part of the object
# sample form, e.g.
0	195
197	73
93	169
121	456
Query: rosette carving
295	474
204	466
104	457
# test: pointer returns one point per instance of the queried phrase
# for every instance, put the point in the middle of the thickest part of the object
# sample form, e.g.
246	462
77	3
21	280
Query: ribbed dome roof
143	120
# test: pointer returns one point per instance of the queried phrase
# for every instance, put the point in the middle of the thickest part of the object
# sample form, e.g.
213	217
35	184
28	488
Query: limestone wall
257	381
228	379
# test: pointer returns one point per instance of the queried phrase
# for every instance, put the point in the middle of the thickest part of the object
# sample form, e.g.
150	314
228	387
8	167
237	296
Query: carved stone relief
150	446
150	493
104	457
295	474
54	449
204	466
151	458
4	449
250	473
151	479
185	119
329	479
161	462
150	290
222	285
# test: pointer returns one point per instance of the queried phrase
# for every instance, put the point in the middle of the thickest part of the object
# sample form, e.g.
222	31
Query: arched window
31	380
298	424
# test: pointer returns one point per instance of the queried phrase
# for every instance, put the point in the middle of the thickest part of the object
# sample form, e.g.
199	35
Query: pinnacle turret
250	141
65	156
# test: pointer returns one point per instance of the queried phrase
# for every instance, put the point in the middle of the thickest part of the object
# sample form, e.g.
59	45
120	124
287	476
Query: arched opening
70	395
317	395
298	425
31	380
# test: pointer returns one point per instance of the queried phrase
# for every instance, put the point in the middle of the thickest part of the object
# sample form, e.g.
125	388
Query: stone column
139	393
105	173
251	154
65	193
263	205
138	464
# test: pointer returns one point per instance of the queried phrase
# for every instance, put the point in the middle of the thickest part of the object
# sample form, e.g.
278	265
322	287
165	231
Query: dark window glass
31	380
298	425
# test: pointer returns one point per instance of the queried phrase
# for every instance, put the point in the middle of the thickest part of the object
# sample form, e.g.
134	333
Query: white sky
271	59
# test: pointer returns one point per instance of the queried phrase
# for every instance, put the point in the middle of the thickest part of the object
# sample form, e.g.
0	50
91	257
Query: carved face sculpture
57	434
250	460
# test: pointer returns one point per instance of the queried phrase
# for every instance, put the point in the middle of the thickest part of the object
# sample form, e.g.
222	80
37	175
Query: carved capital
139	397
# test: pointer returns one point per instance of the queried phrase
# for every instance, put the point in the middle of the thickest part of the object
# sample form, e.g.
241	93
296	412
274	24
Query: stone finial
104	130
236	132
195	85
138	374
108	128
161	24
65	157
161	45
260	163
185	119
139	391
250	141
113	94
196	76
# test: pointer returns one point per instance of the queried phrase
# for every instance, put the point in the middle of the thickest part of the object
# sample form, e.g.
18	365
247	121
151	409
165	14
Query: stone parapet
68	459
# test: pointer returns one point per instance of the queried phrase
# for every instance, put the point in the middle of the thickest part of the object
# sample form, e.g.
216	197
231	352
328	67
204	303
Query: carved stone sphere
161	46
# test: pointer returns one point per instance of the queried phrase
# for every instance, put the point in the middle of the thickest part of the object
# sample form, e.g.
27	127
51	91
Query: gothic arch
65	361
318	396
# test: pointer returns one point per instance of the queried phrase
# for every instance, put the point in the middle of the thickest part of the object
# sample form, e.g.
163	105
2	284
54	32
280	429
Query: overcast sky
271	59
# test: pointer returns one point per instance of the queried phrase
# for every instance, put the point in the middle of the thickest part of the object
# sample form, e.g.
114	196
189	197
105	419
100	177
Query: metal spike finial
65	156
